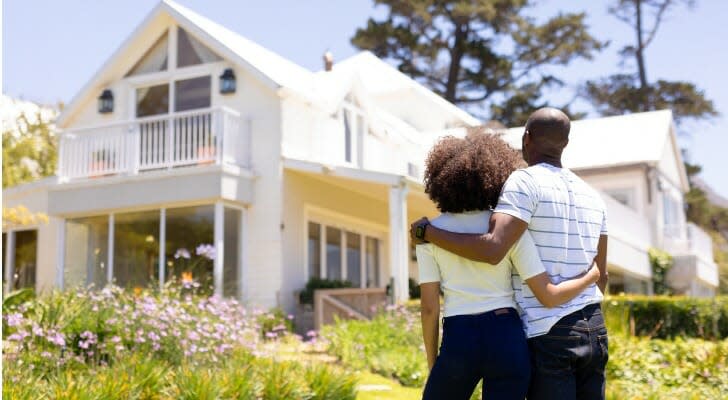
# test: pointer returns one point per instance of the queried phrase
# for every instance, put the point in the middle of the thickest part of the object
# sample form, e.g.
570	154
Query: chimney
328	61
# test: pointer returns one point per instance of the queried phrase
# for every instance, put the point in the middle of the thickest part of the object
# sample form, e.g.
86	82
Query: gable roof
617	141
379	77
269	67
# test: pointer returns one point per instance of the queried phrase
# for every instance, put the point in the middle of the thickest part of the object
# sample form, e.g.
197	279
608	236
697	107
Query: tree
633	92
29	152
478	53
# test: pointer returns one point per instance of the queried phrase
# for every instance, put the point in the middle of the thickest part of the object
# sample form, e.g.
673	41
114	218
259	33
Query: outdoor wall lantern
106	102
227	81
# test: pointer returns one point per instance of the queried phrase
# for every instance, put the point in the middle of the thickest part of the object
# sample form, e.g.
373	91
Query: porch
181	139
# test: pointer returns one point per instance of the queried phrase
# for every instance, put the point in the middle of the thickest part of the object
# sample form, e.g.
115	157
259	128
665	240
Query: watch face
420	232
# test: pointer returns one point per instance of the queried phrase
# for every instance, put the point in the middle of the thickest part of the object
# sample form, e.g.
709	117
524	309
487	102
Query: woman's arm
430	316
551	295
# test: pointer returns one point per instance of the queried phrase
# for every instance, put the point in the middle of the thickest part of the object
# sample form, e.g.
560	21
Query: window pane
231	261
353	258
372	262
152	100
87	243
5	249
333	253
26	248
136	249
314	250
190	94
186	229
191	52
347	135
155	59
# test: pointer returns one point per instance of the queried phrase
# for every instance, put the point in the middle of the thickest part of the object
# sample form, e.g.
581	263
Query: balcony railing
206	136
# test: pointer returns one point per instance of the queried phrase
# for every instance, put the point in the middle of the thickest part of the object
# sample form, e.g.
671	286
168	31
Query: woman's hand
593	274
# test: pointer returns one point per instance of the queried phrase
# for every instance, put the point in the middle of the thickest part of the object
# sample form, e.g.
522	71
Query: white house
191	134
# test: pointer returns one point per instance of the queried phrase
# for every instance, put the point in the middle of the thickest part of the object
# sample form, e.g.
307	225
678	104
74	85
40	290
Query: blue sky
51	48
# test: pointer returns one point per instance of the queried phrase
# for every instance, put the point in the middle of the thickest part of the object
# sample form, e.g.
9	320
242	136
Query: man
567	220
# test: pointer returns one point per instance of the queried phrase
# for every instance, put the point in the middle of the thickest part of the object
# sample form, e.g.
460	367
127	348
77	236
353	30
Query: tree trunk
639	51
456	56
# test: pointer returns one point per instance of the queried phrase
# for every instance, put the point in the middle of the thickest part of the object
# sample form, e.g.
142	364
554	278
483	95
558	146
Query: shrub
306	295
113	344
668	317
390	344
661	263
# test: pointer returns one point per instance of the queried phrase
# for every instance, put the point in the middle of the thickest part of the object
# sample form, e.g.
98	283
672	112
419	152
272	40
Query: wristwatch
420	231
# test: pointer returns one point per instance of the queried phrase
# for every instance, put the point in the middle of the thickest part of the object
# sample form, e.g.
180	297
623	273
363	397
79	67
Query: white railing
701	244
196	137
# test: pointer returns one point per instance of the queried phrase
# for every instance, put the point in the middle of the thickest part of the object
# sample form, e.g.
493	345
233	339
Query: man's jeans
568	362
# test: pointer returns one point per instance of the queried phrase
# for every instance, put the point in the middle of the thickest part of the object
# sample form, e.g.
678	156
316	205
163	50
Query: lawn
115	344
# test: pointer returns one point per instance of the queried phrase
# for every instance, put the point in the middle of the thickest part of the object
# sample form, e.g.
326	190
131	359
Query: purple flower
56	338
15	319
182	253
206	250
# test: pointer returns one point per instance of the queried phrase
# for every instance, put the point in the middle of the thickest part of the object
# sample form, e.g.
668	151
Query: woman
483	337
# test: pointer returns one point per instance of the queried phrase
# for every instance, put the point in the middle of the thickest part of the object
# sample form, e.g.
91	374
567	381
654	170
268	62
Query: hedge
668	317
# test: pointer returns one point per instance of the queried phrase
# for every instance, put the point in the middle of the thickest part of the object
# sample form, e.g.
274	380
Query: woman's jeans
490	346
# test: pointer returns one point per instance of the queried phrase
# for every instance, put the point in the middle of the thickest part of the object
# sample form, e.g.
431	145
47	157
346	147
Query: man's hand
413	229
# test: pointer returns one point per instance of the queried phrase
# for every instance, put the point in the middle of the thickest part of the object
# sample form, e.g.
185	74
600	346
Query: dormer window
354	128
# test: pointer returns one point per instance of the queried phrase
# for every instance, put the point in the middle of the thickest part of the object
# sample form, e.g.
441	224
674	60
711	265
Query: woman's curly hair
468	174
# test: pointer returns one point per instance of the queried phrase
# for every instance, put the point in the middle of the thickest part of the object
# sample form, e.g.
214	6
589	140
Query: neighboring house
634	160
190	134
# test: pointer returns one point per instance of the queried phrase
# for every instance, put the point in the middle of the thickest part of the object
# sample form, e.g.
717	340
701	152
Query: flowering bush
98	326
172	344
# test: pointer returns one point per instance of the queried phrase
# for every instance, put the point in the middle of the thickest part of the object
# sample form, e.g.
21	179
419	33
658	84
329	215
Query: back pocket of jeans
603	341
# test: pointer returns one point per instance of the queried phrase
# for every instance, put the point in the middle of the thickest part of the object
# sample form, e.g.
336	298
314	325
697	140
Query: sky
51	48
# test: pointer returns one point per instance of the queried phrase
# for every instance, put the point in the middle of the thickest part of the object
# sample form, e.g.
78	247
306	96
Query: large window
186	229
86	255
314	250
136	249
137	240
155	59
190	94
25	249
347	255
333	253
353	258
191	52
152	100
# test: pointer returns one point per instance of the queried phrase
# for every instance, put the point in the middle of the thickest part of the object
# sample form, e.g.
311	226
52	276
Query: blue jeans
568	362
490	346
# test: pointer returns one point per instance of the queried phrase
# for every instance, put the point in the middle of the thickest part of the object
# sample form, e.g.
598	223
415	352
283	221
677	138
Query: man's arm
491	247
601	261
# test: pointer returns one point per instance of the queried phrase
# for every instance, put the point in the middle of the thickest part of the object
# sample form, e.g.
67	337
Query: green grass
390	388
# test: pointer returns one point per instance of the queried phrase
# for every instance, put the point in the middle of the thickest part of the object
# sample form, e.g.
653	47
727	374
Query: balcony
184	139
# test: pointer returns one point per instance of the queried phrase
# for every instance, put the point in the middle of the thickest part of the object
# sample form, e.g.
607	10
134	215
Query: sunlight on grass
377	387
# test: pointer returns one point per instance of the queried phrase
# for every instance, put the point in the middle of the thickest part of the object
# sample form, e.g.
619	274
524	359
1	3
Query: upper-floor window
354	128
624	196
188	50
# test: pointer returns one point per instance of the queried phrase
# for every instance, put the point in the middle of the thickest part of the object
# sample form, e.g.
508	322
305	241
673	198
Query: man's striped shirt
565	217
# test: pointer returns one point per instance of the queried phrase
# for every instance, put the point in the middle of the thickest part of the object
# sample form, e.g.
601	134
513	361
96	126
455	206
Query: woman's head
467	174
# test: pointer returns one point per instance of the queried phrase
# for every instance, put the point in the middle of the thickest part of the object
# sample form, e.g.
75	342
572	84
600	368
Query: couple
522	283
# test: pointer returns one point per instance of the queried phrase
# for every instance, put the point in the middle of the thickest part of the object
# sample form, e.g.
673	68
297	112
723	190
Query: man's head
546	135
